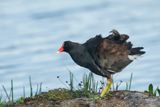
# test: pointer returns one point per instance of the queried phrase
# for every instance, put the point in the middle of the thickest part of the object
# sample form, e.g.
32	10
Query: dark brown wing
112	57
111	54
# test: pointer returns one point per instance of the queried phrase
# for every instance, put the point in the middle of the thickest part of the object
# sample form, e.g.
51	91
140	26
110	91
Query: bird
103	56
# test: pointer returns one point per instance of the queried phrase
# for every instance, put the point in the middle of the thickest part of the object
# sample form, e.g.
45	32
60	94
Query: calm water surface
32	31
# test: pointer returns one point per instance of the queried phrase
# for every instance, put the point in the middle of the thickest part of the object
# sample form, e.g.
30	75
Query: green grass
85	87
89	87
152	91
10	94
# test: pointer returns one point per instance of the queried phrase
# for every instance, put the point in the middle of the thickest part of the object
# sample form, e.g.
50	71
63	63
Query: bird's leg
107	88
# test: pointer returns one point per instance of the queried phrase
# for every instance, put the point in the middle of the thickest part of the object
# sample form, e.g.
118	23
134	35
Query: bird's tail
137	51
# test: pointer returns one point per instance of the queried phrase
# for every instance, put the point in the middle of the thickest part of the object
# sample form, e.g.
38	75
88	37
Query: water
32	31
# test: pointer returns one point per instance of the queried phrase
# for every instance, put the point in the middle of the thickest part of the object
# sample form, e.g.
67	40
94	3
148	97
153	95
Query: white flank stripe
111	71
132	57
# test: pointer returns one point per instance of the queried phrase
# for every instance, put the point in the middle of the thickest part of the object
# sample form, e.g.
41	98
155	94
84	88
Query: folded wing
112	53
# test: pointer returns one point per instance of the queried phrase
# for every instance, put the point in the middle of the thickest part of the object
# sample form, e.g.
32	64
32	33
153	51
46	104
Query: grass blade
130	82
37	90
7	95
12	91
150	89
30	84
24	92
71	81
40	88
158	90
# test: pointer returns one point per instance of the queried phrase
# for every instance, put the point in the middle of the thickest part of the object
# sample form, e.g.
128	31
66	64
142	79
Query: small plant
128	84
86	86
151	90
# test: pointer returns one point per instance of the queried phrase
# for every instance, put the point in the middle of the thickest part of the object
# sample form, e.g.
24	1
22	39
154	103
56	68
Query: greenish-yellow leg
107	88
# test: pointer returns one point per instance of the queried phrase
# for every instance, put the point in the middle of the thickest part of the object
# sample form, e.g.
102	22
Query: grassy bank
88	87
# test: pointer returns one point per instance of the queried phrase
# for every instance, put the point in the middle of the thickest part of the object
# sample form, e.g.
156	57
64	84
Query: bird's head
66	47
